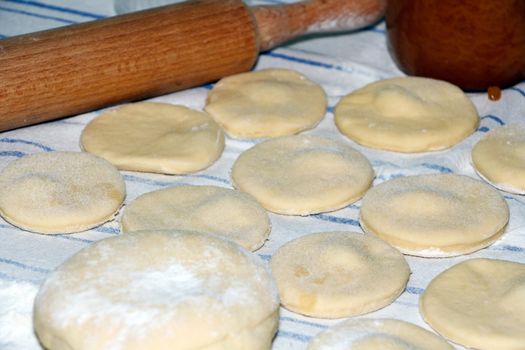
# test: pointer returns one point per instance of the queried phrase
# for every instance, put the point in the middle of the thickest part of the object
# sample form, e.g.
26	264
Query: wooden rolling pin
78	68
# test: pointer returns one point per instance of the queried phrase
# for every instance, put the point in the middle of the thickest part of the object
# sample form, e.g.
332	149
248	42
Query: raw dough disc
158	290
479	303
500	158
266	103
231	214
408	114
435	215
155	137
375	334
301	175
60	192
338	274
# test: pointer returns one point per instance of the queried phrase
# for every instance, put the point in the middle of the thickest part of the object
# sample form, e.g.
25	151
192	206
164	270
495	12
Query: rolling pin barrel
78	68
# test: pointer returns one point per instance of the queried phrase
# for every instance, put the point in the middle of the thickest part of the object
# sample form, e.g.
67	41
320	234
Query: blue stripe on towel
57	8
32	14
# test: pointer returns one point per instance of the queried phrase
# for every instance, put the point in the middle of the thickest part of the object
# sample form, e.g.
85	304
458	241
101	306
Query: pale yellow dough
435	215
338	274
500	158
231	214
408	114
155	137
479	303
158	290
60	192
377	334
301	175
266	103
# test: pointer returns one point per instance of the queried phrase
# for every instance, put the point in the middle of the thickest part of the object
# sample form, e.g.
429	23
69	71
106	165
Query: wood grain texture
278	24
65	71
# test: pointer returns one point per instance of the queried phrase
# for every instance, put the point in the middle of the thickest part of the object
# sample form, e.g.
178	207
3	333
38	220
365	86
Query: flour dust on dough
408	114
436	215
499	158
302	175
155	137
266	103
478	303
231	214
338	274
158	290
377	334
60	192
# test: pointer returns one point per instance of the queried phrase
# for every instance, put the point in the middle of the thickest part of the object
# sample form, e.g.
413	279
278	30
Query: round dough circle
408	114
60	192
155	137
338	274
228	213
499	158
374	334
301	175
479	303
435	215
158	290
266	103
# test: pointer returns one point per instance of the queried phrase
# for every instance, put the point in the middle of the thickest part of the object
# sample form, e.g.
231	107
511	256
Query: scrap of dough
499	158
435	215
479	303
408	114
231	214
266	103
338	274
155	137
158	290
375	334
60	192
302	175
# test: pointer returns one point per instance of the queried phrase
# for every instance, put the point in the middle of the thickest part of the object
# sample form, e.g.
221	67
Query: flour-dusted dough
377	334
479	303
158	290
155	137
500	158
301	175
231	214
408	114
338	274
435	215
60	192
266	103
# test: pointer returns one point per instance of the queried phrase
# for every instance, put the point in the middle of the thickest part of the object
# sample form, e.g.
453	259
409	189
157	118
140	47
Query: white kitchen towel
340	63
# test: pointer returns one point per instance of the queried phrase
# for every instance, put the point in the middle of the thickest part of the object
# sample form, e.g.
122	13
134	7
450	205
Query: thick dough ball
60	192
408	114
338	274
158	290
155	137
479	303
302	175
266	103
